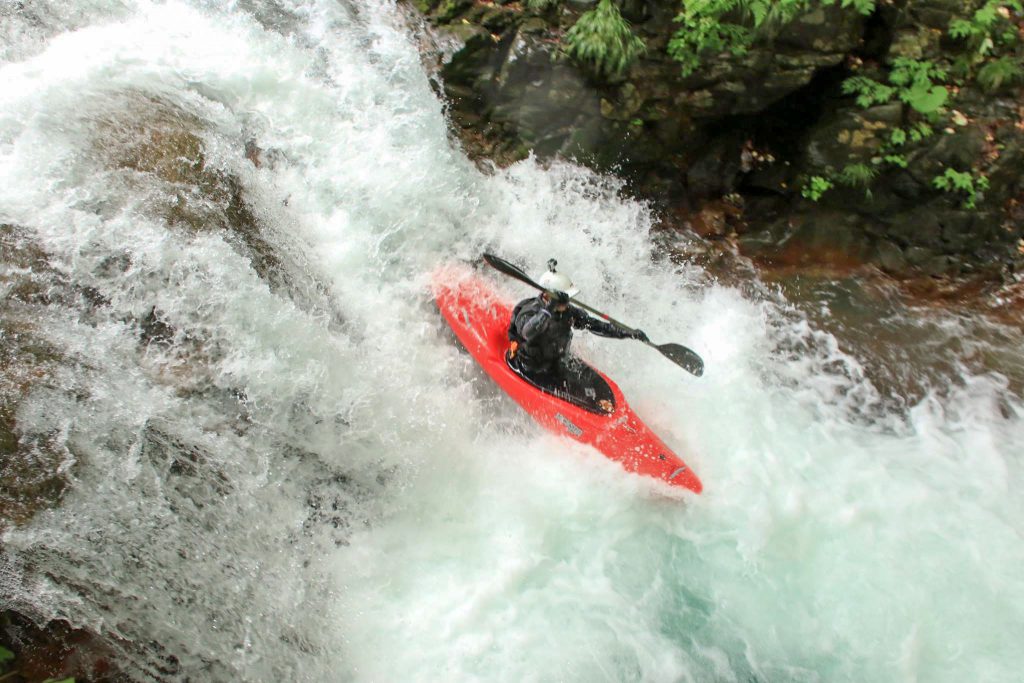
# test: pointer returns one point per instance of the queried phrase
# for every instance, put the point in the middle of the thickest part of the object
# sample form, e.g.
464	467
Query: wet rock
52	650
161	149
681	140
33	466
851	136
890	257
960	150
156	139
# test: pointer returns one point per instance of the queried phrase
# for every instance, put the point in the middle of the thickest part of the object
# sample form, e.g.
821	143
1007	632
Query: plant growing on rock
912	81
857	175
993	43
602	40
968	184
705	25
993	75
815	187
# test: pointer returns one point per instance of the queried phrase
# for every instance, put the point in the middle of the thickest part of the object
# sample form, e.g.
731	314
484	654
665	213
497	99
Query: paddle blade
683	357
508	269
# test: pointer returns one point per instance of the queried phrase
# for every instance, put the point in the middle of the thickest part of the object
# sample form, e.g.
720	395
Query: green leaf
986	15
63	680
927	100
961	28
962	182
5	655
896	160
816	186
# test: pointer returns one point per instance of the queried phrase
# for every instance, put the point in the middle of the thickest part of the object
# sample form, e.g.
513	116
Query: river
280	468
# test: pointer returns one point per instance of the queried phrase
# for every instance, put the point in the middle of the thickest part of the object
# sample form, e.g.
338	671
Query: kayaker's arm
582	321
532	321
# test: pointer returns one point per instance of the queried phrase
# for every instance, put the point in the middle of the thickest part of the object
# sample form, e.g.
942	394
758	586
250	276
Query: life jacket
546	348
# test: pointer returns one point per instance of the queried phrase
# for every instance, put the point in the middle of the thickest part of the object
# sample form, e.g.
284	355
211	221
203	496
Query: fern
702	29
602	39
919	131
857	175
998	72
868	91
910	72
865	7
962	28
910	80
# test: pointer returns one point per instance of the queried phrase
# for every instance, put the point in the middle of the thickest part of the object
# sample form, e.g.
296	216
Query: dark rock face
760	125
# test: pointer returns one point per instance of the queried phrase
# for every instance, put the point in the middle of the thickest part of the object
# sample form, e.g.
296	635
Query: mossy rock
449	10
160	141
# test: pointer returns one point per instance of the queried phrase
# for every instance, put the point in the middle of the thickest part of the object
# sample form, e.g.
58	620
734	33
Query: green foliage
5	655
984	24
815	187
863	7
926	99
998	72
602	39
908	72
868	91
898	137
540	5
911	80
915	80
857	175
63	680
852	175
964	183
993	44
704	28
701	31
919	131
895	160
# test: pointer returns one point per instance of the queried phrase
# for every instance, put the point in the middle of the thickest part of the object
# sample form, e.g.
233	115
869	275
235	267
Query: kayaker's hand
639	335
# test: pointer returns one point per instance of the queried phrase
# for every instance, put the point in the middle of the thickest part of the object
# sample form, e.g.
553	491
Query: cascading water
219	225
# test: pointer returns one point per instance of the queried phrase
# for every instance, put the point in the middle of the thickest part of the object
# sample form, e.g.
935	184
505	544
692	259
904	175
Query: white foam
380	512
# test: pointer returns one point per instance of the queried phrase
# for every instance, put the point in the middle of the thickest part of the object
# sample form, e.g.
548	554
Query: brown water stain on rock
55	651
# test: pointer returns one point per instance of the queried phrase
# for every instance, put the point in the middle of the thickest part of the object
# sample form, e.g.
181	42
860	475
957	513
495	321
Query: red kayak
597	415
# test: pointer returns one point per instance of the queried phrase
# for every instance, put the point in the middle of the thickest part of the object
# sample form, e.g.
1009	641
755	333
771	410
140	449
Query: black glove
639	335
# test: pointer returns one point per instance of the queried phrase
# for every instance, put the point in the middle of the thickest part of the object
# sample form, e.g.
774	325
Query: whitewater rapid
299	477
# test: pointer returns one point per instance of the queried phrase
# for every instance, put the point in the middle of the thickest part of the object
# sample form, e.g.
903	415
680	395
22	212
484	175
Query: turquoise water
305	480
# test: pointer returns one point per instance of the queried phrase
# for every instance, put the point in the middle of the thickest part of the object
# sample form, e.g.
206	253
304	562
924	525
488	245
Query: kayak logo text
573	429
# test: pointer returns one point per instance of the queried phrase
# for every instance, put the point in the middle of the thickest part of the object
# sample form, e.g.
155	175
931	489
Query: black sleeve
582	321
531	320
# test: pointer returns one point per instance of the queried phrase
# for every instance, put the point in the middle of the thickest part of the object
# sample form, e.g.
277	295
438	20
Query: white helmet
559	282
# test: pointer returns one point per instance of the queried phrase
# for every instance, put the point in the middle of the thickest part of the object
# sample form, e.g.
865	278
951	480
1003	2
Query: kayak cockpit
577	384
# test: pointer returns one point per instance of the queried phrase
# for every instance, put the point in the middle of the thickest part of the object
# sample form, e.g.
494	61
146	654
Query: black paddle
677	353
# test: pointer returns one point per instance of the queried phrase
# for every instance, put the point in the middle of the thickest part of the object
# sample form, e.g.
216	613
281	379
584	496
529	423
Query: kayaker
541	329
